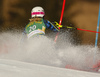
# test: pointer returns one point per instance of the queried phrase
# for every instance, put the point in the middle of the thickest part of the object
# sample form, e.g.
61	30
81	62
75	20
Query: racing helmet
37	12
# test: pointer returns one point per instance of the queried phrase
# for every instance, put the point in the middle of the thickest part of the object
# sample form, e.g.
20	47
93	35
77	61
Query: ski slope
12	68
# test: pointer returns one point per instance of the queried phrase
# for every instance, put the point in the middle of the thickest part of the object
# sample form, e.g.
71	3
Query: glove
60	26
57	25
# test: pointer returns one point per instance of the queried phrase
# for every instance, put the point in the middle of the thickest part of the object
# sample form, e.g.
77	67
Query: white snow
12	68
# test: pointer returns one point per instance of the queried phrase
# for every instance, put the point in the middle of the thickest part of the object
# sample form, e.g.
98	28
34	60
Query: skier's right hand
57	25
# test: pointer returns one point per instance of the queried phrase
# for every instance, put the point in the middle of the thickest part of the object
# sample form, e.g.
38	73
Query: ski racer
38	24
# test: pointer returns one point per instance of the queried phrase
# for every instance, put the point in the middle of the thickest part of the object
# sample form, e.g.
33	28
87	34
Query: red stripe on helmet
35	13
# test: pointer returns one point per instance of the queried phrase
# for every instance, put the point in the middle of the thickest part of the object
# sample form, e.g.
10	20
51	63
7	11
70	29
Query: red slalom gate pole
62	12
87	30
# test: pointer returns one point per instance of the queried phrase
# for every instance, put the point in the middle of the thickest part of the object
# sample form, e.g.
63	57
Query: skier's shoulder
45	21
50	25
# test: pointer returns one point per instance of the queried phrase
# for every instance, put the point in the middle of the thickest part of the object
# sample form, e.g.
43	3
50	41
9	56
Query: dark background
82	14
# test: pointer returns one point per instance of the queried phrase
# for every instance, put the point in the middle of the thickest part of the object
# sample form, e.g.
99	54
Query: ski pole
61	26
63	6
88	30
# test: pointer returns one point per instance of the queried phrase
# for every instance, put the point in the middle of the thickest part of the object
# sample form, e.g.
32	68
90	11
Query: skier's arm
51	26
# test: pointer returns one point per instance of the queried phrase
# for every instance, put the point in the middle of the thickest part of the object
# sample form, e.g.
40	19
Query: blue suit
50	25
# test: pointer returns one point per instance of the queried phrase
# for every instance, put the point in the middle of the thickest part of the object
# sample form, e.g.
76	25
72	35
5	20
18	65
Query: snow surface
12	68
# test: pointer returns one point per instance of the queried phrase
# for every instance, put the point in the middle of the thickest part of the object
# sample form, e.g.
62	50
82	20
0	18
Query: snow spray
45	52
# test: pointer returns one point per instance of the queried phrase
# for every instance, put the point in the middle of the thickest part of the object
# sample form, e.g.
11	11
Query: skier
38	24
